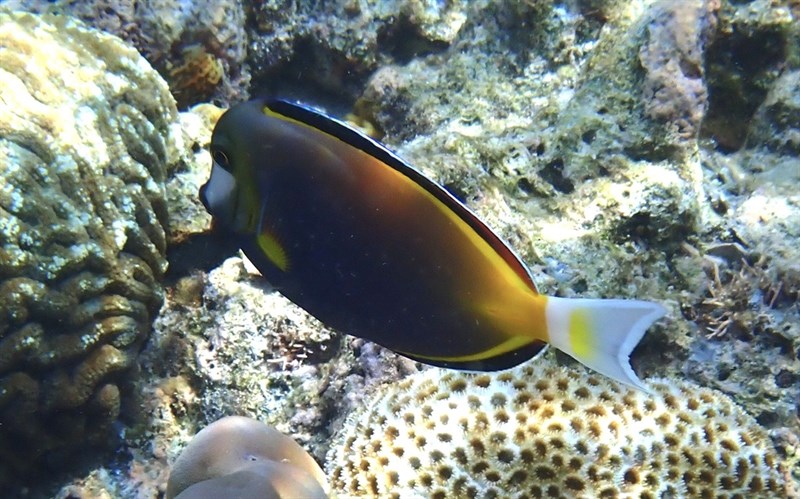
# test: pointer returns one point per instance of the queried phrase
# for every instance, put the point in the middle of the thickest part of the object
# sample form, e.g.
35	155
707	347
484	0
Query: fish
363	241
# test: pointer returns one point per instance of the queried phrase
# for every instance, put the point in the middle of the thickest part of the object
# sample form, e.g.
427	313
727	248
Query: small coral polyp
540	430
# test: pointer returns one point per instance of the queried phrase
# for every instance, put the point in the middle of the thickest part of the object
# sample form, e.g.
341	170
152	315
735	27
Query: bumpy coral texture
241	457
198	46
83	156
545	431
672	59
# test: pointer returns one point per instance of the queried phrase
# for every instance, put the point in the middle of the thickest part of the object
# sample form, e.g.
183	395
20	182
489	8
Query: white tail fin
601	334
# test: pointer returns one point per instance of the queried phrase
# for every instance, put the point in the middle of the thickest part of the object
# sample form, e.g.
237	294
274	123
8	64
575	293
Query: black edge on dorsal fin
363	142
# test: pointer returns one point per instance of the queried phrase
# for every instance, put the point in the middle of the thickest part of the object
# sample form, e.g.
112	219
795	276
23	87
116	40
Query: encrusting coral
85	146
240	457
673	87
540	430
198	47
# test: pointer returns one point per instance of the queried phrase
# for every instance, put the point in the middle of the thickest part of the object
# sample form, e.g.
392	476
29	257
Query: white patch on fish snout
219	192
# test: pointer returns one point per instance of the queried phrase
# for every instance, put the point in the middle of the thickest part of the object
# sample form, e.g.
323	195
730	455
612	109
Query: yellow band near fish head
273	250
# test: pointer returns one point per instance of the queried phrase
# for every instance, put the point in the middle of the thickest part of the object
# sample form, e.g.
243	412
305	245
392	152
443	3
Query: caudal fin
601	334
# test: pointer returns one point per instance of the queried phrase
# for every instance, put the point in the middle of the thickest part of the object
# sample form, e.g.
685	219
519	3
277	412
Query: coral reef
85	147
546	431
250	351
334	46
187	215
198	47
243	457
570	127
750	48
773	137
674	88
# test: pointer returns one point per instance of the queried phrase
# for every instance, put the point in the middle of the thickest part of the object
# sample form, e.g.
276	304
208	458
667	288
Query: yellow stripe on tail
601	334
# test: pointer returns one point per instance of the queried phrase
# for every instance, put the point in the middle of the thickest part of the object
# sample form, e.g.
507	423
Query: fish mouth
203	198
219	194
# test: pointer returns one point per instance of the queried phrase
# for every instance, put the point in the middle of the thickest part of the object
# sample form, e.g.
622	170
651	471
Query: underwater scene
399	249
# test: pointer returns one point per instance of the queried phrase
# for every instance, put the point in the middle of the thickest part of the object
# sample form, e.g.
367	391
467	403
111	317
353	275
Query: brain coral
541	430
84	151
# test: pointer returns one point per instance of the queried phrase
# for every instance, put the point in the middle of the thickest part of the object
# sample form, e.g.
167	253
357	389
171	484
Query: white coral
540	430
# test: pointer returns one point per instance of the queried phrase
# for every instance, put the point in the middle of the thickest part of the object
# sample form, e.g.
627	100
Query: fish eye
220	158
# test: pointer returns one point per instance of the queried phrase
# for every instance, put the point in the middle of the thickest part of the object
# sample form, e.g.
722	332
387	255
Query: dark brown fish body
367	244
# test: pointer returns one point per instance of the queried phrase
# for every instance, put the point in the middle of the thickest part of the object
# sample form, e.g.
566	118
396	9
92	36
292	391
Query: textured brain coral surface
540	430
367	244
84	151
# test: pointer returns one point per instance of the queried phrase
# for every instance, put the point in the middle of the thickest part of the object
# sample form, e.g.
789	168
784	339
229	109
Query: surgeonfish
367	244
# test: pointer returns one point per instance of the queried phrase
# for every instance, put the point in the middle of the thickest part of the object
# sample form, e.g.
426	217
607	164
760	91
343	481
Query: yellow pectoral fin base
273	250
601	334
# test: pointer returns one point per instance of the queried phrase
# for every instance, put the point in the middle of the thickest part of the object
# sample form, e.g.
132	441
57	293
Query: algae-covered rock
334	46
641	97
85	146
752	44
249	351
772	146
187	215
